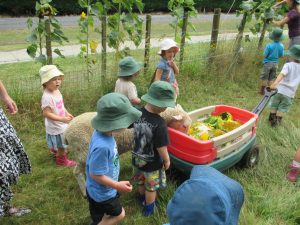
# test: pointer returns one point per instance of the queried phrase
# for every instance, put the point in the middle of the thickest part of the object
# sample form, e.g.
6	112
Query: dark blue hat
207	198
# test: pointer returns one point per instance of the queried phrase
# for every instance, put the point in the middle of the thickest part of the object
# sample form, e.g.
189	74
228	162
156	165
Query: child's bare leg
297	155
150	196
112	220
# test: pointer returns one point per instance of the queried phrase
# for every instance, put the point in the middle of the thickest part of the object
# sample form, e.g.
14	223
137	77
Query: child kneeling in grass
114	114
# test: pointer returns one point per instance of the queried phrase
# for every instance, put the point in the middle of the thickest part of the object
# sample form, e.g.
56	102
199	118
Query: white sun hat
48	72
166	44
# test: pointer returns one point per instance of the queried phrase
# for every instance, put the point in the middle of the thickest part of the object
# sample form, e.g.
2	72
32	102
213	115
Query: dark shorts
269	71
111	207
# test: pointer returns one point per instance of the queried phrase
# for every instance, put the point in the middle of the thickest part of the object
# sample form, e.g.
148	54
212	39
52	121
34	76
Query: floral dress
13	161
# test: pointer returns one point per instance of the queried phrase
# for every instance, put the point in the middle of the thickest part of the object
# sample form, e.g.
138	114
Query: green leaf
83	3
98	9
29	22
31	50
32	38
139	4
90	21
58	52
41	59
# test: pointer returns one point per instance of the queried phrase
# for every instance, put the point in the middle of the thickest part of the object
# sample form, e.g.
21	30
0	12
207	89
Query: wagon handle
268	93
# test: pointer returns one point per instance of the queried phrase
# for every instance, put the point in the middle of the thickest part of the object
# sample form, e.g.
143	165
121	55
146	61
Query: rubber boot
262	90
293	174
141	199
279	119
149	209
272	117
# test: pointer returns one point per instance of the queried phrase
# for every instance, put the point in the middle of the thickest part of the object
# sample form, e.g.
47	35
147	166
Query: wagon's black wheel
250	159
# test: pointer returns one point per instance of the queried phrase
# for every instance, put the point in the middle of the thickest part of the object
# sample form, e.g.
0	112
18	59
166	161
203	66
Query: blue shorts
55	141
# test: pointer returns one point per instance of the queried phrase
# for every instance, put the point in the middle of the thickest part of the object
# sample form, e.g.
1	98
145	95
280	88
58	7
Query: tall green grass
52	192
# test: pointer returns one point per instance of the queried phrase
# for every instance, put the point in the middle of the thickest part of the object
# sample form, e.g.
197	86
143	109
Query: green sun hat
160	94
294	52
128	66
277	34
114	111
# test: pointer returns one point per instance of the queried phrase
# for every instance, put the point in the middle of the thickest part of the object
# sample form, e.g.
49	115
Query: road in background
7	23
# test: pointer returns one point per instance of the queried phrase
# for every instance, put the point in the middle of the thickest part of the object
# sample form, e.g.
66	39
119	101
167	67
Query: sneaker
64	161
293	174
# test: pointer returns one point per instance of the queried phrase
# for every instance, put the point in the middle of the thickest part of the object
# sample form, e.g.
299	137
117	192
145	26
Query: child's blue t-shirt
273	51
167	71
102	159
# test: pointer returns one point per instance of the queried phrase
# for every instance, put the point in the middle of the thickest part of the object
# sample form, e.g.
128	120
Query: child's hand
124	186
273	87
167	164
67	119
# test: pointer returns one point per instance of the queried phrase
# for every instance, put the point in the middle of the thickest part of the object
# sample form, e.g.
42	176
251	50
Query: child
286	83
56	116
272	52
208	197
128	70
166	69
150	156
295	167
114	114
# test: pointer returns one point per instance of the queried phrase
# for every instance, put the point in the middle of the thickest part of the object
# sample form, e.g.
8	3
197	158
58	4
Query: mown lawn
53	194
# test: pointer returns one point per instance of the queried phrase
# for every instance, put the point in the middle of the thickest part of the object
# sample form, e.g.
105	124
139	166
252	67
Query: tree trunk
48	41
147	43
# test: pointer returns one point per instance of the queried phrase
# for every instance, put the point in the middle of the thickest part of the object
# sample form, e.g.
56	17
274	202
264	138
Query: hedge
67	7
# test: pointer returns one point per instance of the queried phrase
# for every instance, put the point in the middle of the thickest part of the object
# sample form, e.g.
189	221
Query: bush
67	7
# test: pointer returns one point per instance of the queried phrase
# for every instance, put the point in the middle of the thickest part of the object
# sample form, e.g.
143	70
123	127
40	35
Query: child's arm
69	114
135	101
276	82
163	152
158	74
174	66
48	113
121	186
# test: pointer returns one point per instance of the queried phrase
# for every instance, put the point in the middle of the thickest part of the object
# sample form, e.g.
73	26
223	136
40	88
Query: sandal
13	211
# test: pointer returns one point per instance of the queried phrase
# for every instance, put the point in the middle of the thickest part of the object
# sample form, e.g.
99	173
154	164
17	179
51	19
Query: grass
16	39
52	192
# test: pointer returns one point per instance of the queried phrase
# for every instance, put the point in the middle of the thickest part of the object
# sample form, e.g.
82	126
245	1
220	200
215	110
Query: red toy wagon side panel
190	149
196	151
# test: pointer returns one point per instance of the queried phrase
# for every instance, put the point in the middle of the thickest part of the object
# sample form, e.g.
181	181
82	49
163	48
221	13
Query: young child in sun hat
55	113
166	69
114	114
295	167
208	197
128	69
150	156
286	83
272	52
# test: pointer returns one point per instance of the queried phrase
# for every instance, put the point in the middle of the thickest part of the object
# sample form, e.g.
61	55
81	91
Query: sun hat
276	34
166	44
294	52
48	72
128	66
160	94
208	197
114	111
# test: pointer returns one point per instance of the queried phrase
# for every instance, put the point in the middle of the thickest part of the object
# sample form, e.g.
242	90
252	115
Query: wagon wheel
250	158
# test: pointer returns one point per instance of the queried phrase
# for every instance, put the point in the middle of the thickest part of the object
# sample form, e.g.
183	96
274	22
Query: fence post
183	34
48	41
147	43
215	30
103	43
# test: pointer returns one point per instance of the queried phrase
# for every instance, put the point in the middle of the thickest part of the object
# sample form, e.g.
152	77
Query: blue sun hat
114	111
207	198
